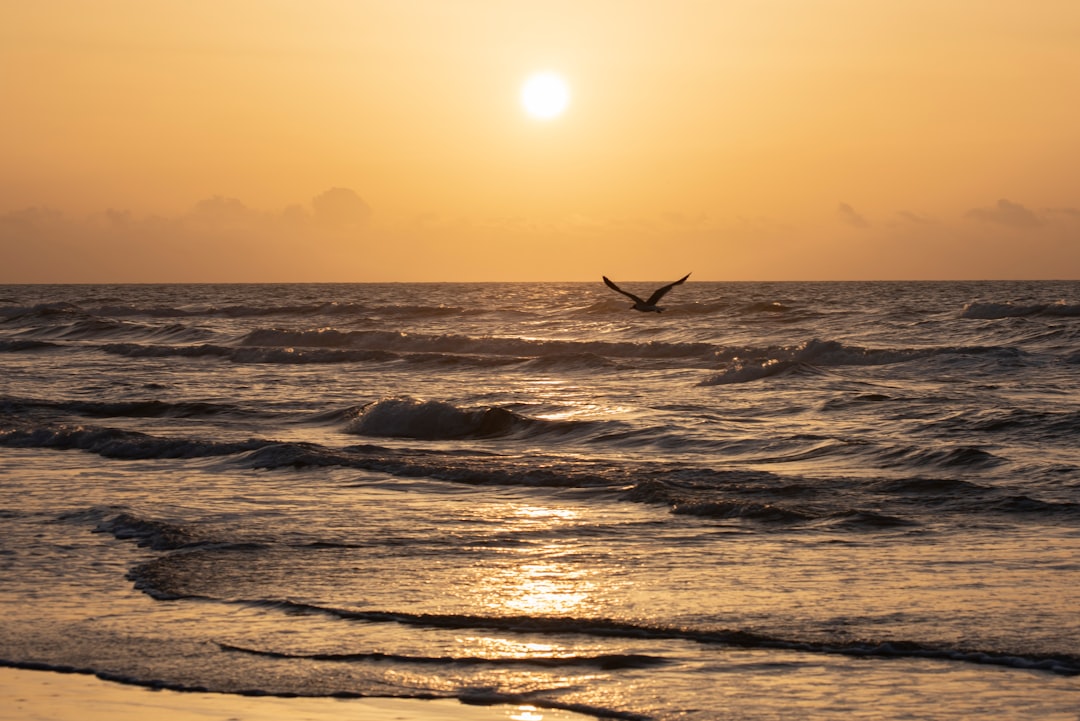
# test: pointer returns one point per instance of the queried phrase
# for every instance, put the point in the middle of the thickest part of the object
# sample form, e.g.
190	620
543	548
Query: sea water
773	500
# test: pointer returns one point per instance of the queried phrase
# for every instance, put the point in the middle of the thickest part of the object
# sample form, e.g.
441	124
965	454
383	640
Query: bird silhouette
650	305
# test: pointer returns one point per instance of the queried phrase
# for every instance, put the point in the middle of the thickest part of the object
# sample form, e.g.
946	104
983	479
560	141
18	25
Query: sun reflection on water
547	565
534	581
494	647
550	589
527	713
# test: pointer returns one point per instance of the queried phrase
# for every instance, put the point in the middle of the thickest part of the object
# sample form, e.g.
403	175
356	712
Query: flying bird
650	305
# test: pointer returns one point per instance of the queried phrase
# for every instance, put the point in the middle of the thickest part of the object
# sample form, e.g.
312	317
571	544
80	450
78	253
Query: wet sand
51	696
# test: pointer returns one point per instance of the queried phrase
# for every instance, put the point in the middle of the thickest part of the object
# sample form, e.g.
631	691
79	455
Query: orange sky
344	140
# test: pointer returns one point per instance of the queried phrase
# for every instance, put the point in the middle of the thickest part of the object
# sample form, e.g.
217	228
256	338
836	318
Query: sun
545	95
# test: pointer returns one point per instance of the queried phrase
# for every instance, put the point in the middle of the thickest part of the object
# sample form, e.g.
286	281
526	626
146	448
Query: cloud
30	219
1071	213
221	213
851	217
120	219
218	238
340	208
910	217
1006	213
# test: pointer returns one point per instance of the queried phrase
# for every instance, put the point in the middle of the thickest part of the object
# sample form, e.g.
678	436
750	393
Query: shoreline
47	695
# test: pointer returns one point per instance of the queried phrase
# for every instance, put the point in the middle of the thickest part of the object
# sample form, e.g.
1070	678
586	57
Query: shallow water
857	499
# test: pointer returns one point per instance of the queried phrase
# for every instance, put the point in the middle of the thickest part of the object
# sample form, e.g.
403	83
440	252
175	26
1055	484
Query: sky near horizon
352	140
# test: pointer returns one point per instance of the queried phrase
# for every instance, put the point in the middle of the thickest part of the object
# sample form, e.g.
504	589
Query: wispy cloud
340	208
909	217
1007	213
1071	213
218	238
850	216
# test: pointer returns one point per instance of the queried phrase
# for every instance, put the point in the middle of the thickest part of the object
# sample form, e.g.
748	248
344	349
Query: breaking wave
830	353
607	662
114	442
148	533
436	420
250	355
163	578
452	343
18	346
758	497
1009	309
128	409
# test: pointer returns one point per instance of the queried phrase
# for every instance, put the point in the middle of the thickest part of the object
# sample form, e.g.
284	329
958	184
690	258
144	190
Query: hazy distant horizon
629	282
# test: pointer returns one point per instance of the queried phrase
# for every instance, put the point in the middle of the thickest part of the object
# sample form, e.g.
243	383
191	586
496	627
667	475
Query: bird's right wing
660	292
617	289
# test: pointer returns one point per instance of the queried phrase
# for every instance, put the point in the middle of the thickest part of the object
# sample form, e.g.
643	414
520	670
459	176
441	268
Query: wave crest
148	533
754	365
402	342
607	662
1009	309
438	420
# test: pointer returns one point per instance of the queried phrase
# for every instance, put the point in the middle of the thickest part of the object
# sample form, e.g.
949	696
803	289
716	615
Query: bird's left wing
617	289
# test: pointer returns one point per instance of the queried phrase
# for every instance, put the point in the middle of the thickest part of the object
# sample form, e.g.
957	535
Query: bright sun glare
545	95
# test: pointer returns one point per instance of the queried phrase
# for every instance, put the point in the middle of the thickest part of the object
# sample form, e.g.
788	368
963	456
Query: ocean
853	500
